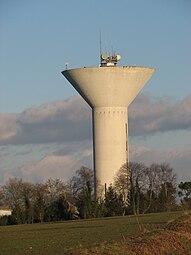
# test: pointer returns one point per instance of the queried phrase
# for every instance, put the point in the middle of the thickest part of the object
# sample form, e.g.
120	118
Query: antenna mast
107	59
100	49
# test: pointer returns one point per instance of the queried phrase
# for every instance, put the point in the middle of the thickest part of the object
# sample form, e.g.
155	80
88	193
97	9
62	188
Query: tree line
137	189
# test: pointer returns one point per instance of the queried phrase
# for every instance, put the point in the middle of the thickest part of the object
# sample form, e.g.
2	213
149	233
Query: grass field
57	238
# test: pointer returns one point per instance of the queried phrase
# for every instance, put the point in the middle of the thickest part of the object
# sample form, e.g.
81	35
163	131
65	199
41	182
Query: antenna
100	47
107	59
66	65
112	51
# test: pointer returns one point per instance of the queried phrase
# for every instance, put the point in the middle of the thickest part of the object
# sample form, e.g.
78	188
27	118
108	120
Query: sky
45	126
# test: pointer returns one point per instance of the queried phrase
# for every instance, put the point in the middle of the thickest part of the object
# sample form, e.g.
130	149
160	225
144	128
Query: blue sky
37	38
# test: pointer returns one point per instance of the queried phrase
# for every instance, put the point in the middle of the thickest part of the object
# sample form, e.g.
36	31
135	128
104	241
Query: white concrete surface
109	91
110	141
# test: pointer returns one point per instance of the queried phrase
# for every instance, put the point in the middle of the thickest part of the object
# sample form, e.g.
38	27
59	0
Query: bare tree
83	176
122	183
146	186
137	178
54	189
40	202
20	198
1	197
152	184
130	181
168	185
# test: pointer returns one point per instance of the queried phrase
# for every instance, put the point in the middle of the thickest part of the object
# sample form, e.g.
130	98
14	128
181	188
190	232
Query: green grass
56	238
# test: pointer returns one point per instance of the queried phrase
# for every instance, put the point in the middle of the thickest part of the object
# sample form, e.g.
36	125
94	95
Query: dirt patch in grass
174	239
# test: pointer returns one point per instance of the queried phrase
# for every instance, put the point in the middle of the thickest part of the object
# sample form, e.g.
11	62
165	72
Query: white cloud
67	120
8	126
148	115
70	120
54	166
51	166
63	166
179	159
59	160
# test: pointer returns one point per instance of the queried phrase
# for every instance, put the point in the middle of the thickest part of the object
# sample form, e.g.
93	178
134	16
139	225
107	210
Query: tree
167	181
81	185
13	197
83	176
28	201
137	181
151	187
122	183
85	202
166	197
160	188
1	196
59	209
147	187
114	203
40	202
185	194
55	191
19	196
130	182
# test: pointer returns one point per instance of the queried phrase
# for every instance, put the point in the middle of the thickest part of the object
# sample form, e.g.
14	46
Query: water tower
109	90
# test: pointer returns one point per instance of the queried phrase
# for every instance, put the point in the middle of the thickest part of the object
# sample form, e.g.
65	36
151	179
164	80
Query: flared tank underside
109	86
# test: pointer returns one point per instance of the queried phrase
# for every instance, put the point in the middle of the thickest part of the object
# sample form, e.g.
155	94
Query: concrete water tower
109	90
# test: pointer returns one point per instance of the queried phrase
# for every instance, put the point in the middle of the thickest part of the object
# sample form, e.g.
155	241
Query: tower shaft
110	125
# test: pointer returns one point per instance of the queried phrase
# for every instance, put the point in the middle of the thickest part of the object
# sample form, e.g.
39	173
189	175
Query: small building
5	211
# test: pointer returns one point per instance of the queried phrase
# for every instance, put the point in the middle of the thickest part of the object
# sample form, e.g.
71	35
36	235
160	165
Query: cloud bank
149	116
59	164
179	159
58	121
37	163
55	166
70	120
53	140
